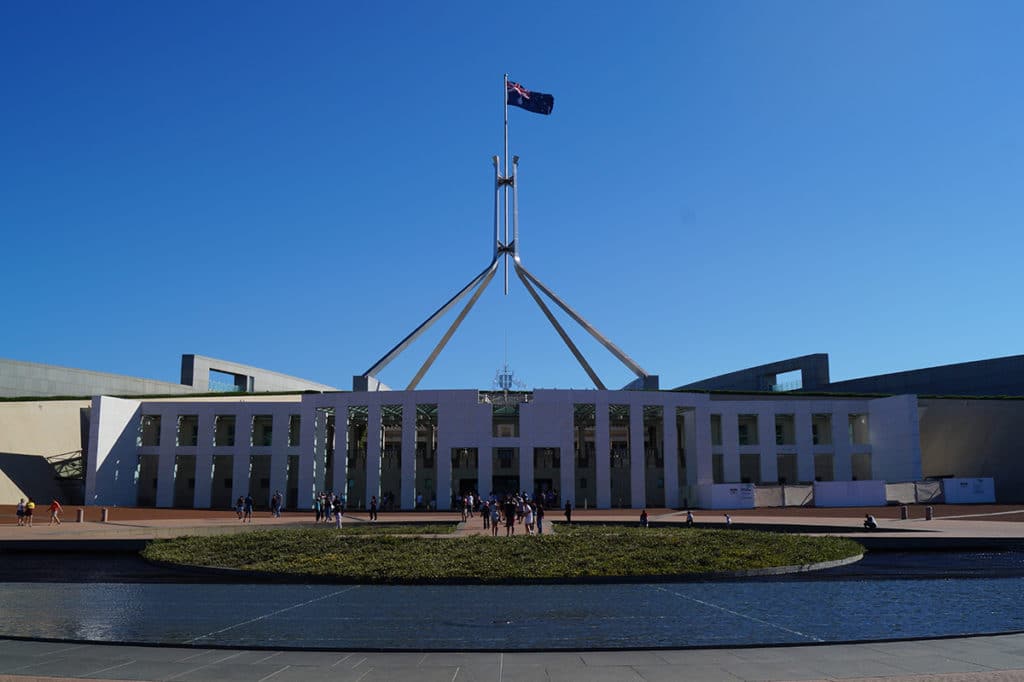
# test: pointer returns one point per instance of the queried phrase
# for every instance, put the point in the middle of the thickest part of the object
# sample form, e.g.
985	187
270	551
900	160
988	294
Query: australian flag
537	102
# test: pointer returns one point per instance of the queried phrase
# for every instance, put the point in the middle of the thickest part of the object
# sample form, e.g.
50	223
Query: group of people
330	508
27	510
243	507
511	510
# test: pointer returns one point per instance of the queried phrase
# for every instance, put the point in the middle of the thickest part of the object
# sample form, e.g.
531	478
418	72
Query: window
224	430
747	428
188	430
294	428
262	430
149	431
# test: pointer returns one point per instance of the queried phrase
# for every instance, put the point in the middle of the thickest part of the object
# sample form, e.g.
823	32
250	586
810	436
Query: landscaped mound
577	553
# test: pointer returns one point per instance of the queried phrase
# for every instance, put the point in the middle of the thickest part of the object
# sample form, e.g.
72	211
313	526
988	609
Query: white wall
113	453
895	438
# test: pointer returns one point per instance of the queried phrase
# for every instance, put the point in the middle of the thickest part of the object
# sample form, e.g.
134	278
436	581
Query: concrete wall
813	372
997	376
975	439
195	371
30	431
26	379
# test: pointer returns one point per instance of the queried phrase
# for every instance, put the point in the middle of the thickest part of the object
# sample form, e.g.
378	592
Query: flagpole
505	100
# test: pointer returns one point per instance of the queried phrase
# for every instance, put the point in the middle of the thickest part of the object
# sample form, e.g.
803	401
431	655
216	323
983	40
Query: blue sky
297	185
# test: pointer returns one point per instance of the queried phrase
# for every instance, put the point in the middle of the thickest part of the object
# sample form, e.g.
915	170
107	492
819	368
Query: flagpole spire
505	177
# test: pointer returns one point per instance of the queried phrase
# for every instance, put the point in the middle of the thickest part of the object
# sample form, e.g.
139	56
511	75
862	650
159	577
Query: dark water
885	597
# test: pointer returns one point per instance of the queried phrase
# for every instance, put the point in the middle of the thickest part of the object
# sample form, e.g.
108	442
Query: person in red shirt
55	510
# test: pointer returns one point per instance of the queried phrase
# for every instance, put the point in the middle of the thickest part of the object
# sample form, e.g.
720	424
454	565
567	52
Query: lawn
576	553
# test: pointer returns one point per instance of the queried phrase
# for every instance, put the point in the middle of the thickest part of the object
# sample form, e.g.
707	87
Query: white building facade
420	448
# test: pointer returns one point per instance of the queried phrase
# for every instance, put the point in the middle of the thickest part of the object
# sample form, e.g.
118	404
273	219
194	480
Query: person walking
373	508
30	509
21	512
643	519
55	510
540	519
568	511
247	509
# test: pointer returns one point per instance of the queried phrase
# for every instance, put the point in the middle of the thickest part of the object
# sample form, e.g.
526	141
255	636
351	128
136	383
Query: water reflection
510	617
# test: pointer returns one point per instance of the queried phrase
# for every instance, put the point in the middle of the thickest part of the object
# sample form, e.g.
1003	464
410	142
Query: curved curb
243	575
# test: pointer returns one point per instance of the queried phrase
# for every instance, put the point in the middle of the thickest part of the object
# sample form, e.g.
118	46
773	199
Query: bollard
904	513
103	515
928	513
80	516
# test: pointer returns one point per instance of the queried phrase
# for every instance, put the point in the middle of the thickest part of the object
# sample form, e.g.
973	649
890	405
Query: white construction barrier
928	492
968	490
768	496
726	496
849	494
798	495
901	493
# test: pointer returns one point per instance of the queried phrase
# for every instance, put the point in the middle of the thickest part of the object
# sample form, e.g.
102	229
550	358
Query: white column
637	457
407	496
203	492
485	465
670	443
526	472
319	461
306	482
165	468
602	444
339	471
567	461
699	465
804	444
373	419
278	453
443	461
769	450
842	467
730	447
240	463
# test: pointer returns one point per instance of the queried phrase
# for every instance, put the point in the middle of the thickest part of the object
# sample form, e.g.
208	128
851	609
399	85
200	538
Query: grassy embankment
580	552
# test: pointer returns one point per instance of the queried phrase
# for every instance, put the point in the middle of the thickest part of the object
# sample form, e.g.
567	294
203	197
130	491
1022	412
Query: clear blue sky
297	185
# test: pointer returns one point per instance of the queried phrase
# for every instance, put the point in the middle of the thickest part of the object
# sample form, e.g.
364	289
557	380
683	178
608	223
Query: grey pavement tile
13	664
521	673
607	673
229	673
145	670
673	673
310	658
928	665
54	667
712	657
796	670
472	672
567	659
622	658
364	660
300	673
460	658
864	667
401	673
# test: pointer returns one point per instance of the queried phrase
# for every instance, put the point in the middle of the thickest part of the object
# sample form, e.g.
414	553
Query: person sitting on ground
869	522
